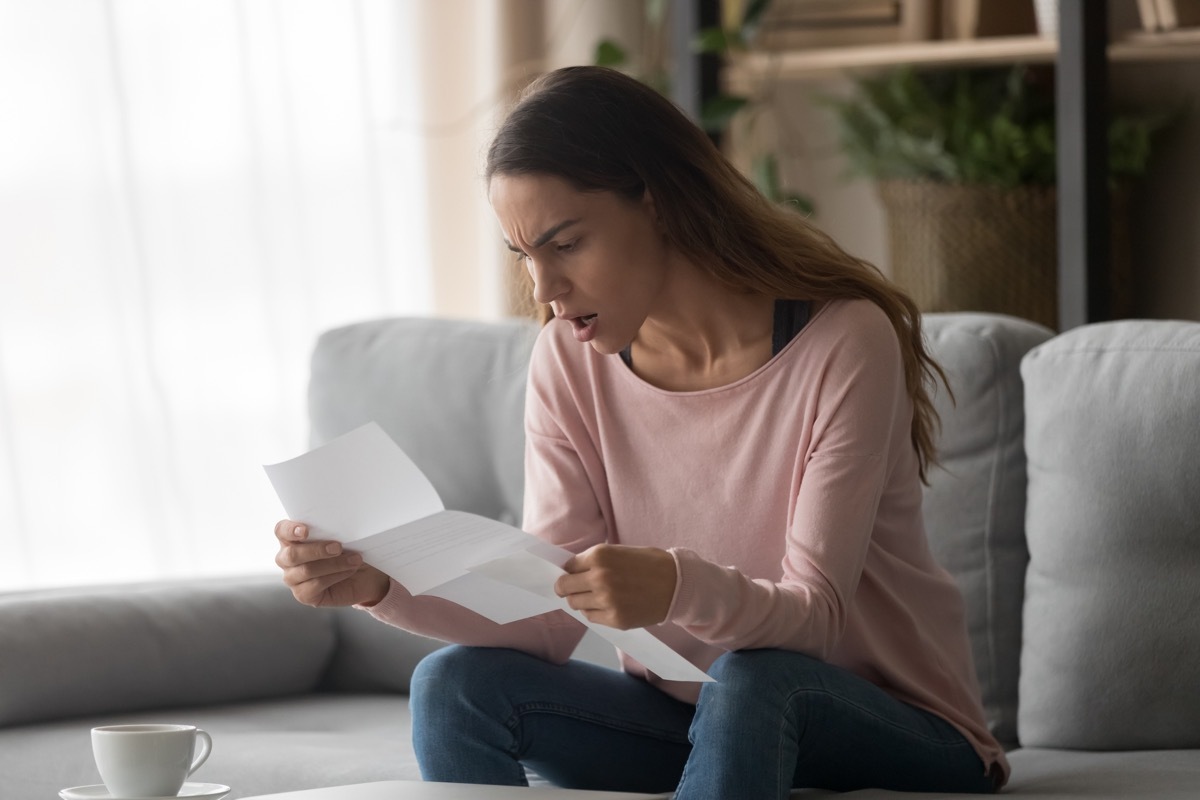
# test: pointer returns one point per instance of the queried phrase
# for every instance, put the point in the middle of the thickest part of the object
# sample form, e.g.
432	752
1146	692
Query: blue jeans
774	720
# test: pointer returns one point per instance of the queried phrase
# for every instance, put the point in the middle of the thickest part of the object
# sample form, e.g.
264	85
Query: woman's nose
548	283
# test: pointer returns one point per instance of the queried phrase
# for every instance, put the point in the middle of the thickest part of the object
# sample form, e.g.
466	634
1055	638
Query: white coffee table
417	790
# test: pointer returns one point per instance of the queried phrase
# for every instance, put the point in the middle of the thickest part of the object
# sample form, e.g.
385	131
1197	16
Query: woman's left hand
620	586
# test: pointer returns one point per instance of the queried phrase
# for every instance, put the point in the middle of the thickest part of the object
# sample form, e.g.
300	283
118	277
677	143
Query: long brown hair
601	130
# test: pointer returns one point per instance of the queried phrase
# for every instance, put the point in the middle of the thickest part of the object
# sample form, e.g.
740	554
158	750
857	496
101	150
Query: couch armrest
77	652
975	503
1111	641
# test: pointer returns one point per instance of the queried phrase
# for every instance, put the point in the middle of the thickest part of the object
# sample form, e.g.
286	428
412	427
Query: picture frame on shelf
1168	15
809	24
1175	14
792	25
979	19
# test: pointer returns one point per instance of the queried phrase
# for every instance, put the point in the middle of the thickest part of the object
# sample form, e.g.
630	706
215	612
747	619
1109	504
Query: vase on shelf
965	247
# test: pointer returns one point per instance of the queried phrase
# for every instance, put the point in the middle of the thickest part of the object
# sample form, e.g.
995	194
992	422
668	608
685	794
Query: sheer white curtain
189	192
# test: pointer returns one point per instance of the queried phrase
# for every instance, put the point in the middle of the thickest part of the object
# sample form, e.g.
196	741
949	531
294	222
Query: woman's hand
321	574
620	586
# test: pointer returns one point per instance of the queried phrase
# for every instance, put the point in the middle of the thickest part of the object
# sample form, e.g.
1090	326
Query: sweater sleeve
565	476
551	636
863	413
560	508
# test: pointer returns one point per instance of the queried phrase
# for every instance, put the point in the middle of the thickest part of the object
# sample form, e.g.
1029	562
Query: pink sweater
789	500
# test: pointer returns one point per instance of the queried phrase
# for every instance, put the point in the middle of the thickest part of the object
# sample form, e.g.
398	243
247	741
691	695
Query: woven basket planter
984	248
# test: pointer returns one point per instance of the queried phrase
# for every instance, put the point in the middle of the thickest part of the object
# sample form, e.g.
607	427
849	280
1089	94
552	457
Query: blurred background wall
190	192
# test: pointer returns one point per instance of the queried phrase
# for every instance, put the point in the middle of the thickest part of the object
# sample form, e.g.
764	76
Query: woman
728	420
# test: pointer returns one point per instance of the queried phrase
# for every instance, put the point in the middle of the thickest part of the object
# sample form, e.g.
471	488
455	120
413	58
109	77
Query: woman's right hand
322	574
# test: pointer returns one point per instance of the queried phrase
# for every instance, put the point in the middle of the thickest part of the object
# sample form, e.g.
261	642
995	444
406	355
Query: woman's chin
606	346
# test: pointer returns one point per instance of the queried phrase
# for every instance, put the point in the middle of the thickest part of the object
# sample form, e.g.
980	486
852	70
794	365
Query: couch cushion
331	740
450	393
1039	774
372	656
258	748
76	652
975	503
1111	656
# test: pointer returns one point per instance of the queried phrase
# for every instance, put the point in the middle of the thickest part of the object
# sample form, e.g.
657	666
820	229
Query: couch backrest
451	394
975	503
1111	654
371	656
79	652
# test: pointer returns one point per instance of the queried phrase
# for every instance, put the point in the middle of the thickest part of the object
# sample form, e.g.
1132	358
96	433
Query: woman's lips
584	327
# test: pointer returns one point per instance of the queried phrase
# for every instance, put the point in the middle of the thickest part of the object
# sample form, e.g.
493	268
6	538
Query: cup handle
205	742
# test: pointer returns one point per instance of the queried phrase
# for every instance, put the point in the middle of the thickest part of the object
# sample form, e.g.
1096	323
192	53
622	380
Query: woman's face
596	258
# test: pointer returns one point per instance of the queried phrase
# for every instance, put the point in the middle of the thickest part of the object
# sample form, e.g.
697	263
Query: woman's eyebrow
546	236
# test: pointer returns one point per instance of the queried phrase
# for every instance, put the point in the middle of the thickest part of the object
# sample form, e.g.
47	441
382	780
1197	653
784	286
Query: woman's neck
702	334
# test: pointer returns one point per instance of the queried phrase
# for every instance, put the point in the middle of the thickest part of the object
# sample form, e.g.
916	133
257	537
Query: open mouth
584	327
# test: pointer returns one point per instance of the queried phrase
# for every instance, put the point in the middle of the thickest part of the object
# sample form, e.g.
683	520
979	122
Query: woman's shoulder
851	310
855	320
847	339
560	361
553	345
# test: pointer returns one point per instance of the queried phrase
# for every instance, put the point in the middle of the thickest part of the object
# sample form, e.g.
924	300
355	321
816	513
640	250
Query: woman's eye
566	248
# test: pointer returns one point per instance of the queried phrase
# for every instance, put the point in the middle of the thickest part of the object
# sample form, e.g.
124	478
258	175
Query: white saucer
192	791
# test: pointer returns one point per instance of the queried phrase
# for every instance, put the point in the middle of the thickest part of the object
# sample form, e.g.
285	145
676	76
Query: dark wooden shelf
749	68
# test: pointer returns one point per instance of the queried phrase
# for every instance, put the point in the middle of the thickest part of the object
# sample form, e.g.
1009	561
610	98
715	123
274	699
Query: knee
746	679
445	678
449	663
752	669
742	667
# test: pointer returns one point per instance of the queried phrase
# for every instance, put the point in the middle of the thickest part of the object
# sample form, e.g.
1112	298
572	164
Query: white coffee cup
148	760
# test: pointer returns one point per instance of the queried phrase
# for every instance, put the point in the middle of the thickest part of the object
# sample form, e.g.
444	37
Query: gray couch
1080	571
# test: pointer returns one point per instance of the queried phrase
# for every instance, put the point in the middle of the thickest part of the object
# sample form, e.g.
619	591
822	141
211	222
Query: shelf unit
1081	54
819	64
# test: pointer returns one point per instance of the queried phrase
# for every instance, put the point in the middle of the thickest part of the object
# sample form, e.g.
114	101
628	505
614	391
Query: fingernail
333	549
354	560
298	532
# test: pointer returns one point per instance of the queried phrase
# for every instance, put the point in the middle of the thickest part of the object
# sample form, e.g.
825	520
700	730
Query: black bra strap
790	317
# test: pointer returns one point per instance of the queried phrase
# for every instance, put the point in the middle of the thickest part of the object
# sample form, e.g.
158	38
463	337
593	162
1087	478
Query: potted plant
965	163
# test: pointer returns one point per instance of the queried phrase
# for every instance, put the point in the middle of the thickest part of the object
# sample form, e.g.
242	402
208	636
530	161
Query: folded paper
362	490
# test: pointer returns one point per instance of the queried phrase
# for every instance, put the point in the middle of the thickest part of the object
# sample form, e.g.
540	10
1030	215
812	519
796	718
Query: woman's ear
652	210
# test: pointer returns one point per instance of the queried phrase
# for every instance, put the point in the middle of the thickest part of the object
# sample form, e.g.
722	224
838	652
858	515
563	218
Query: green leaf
609	54
717	40
752	17
764	172
656	11
800	203
719	110
659	81
991	126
